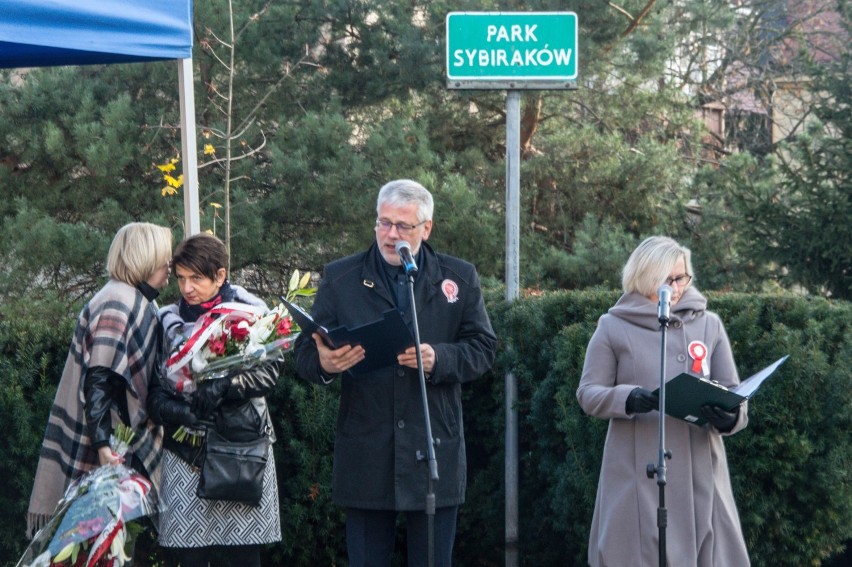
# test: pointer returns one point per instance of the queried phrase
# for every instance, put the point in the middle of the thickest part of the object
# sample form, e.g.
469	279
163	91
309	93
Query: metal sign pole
512	51
192	219
513	207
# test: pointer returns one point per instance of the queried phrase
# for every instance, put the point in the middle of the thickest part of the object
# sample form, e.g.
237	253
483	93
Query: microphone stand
430	442
660	469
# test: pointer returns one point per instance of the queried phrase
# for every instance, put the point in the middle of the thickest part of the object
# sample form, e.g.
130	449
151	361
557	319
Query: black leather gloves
166	409
641	400
254	382
173	411
209	396
722	420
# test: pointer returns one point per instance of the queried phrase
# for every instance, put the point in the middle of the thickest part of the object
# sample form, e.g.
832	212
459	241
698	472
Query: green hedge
790	467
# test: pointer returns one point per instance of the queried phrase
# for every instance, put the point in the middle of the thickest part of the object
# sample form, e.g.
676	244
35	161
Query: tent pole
192	222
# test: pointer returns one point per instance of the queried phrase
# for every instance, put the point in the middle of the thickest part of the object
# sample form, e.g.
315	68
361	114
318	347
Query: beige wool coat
703	524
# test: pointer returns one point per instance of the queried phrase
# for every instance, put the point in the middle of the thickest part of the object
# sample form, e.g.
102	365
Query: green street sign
511	47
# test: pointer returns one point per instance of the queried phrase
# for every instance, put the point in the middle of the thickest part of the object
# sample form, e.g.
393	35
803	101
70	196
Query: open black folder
685	393
382	339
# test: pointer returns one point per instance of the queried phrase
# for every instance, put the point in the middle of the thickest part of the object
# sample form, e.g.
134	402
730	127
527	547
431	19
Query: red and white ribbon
209	323
451	290
698	352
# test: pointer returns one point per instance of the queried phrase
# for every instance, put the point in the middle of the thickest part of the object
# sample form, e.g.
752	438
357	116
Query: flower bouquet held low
228	339
89	526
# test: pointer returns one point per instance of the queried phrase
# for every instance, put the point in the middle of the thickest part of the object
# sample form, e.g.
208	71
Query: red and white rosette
451	290
698	351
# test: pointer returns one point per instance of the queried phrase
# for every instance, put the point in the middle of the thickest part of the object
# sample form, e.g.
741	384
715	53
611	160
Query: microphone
403	248
664	307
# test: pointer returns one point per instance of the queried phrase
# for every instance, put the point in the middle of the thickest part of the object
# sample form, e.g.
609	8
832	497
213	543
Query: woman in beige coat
622	368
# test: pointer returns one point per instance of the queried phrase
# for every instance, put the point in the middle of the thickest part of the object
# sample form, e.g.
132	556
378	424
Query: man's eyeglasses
680	280
401	227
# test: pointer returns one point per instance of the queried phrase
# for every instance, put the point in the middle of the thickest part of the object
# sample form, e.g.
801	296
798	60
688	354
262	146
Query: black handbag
241	420
233	470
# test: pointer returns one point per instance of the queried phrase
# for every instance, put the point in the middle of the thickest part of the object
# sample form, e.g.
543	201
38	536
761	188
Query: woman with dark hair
198	530
113	354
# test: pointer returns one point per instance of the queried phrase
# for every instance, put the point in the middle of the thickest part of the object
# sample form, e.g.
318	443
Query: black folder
382	339
685	393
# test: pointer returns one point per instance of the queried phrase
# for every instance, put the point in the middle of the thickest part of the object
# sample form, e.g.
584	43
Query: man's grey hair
402	192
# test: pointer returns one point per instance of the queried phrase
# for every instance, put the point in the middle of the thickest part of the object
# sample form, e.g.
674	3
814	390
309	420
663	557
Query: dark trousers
230	555
370	536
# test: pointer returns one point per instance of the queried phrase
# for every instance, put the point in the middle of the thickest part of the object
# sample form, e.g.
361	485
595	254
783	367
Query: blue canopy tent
40	33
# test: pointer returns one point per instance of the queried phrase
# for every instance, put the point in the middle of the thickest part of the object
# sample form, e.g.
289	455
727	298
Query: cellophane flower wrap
227	339
230	338
89	526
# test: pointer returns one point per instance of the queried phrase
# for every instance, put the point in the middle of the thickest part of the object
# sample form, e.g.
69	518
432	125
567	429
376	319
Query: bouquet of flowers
229	337
232	337
89	527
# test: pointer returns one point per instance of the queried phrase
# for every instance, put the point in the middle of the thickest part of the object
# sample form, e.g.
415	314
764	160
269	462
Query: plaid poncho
119	330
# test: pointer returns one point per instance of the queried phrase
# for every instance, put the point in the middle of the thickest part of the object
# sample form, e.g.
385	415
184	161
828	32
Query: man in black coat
380	426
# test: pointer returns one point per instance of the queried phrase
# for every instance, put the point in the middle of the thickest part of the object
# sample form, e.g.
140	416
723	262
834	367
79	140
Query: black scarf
397	281
191	313
149	292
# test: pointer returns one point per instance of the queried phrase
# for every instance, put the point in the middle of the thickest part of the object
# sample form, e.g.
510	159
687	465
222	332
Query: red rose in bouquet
239	329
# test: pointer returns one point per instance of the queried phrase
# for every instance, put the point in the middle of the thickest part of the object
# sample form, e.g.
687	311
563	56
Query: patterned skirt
189	521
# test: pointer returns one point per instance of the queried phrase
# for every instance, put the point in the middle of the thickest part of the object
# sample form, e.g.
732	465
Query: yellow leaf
64	554
168	191
166	167
174	182
209	150
210	232
305	279
216	205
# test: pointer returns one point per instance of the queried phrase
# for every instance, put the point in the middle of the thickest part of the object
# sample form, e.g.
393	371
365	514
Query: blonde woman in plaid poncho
113	353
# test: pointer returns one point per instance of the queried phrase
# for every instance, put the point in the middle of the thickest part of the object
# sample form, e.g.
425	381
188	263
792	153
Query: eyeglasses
680	280
401	227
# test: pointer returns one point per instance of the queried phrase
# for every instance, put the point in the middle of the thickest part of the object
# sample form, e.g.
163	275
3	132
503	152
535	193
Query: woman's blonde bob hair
651	263
137	251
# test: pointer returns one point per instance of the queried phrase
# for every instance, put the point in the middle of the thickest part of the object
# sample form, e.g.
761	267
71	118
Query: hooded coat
703	524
